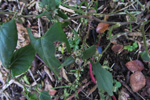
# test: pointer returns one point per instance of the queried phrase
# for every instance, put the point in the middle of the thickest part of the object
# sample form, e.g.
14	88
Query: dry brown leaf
123	95
101	27
92	90
64	75
23	38
148	82
117	48
135	65
137	81
49	74
49	88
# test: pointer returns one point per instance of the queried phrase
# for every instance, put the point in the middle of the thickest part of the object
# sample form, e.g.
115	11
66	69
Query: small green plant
131	47
74	41
116	86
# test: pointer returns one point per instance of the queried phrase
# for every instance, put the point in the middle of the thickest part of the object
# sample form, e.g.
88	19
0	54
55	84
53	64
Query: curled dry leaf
117	48
102	27
135	65
137	81
23	38
49	88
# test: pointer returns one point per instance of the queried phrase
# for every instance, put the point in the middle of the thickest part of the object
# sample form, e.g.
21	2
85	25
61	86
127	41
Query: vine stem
104	51
143	34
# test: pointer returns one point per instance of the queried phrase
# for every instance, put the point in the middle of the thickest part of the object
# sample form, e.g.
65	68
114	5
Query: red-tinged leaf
137	81
135	65
117	48
102	27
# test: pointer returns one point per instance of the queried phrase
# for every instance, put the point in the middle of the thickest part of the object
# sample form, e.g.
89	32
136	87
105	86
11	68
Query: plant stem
76	17
143	34
104	51
13	13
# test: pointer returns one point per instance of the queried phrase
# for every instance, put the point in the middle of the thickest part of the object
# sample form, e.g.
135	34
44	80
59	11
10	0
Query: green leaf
145	56
62	14
68	61
89	52
22	60
32	96
8	42
44	46
44	95
49	4
29	95
104	78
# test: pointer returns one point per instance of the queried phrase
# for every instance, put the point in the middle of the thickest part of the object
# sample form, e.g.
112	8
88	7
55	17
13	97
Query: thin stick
79	90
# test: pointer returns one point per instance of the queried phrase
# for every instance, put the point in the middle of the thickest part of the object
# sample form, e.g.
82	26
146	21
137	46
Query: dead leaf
148	82
117	48
49	74
64	75
137	81
135	65
92	90
23	38
48	87
123	95
102	27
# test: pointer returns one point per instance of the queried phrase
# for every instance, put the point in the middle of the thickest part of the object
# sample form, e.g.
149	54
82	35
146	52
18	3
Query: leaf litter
124	59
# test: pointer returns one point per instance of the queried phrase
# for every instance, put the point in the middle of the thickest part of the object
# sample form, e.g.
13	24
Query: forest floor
120	30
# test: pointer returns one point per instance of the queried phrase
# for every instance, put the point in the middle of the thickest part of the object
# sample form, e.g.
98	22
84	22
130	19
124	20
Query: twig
79	90
9	83
39	58
76	17
121	23
66	9
135	96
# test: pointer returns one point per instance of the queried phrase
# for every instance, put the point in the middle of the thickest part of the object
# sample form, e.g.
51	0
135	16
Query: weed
131	47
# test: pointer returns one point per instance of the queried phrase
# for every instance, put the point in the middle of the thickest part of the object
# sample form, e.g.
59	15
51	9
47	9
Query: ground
119	47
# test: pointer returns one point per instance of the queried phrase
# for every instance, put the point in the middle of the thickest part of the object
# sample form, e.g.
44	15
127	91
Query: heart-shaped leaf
22	60
44	95
8	42
104	78
89	52
44	46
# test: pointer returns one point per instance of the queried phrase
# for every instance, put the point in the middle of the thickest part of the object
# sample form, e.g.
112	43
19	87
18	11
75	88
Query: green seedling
131	47
117	85
74	41
29	95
